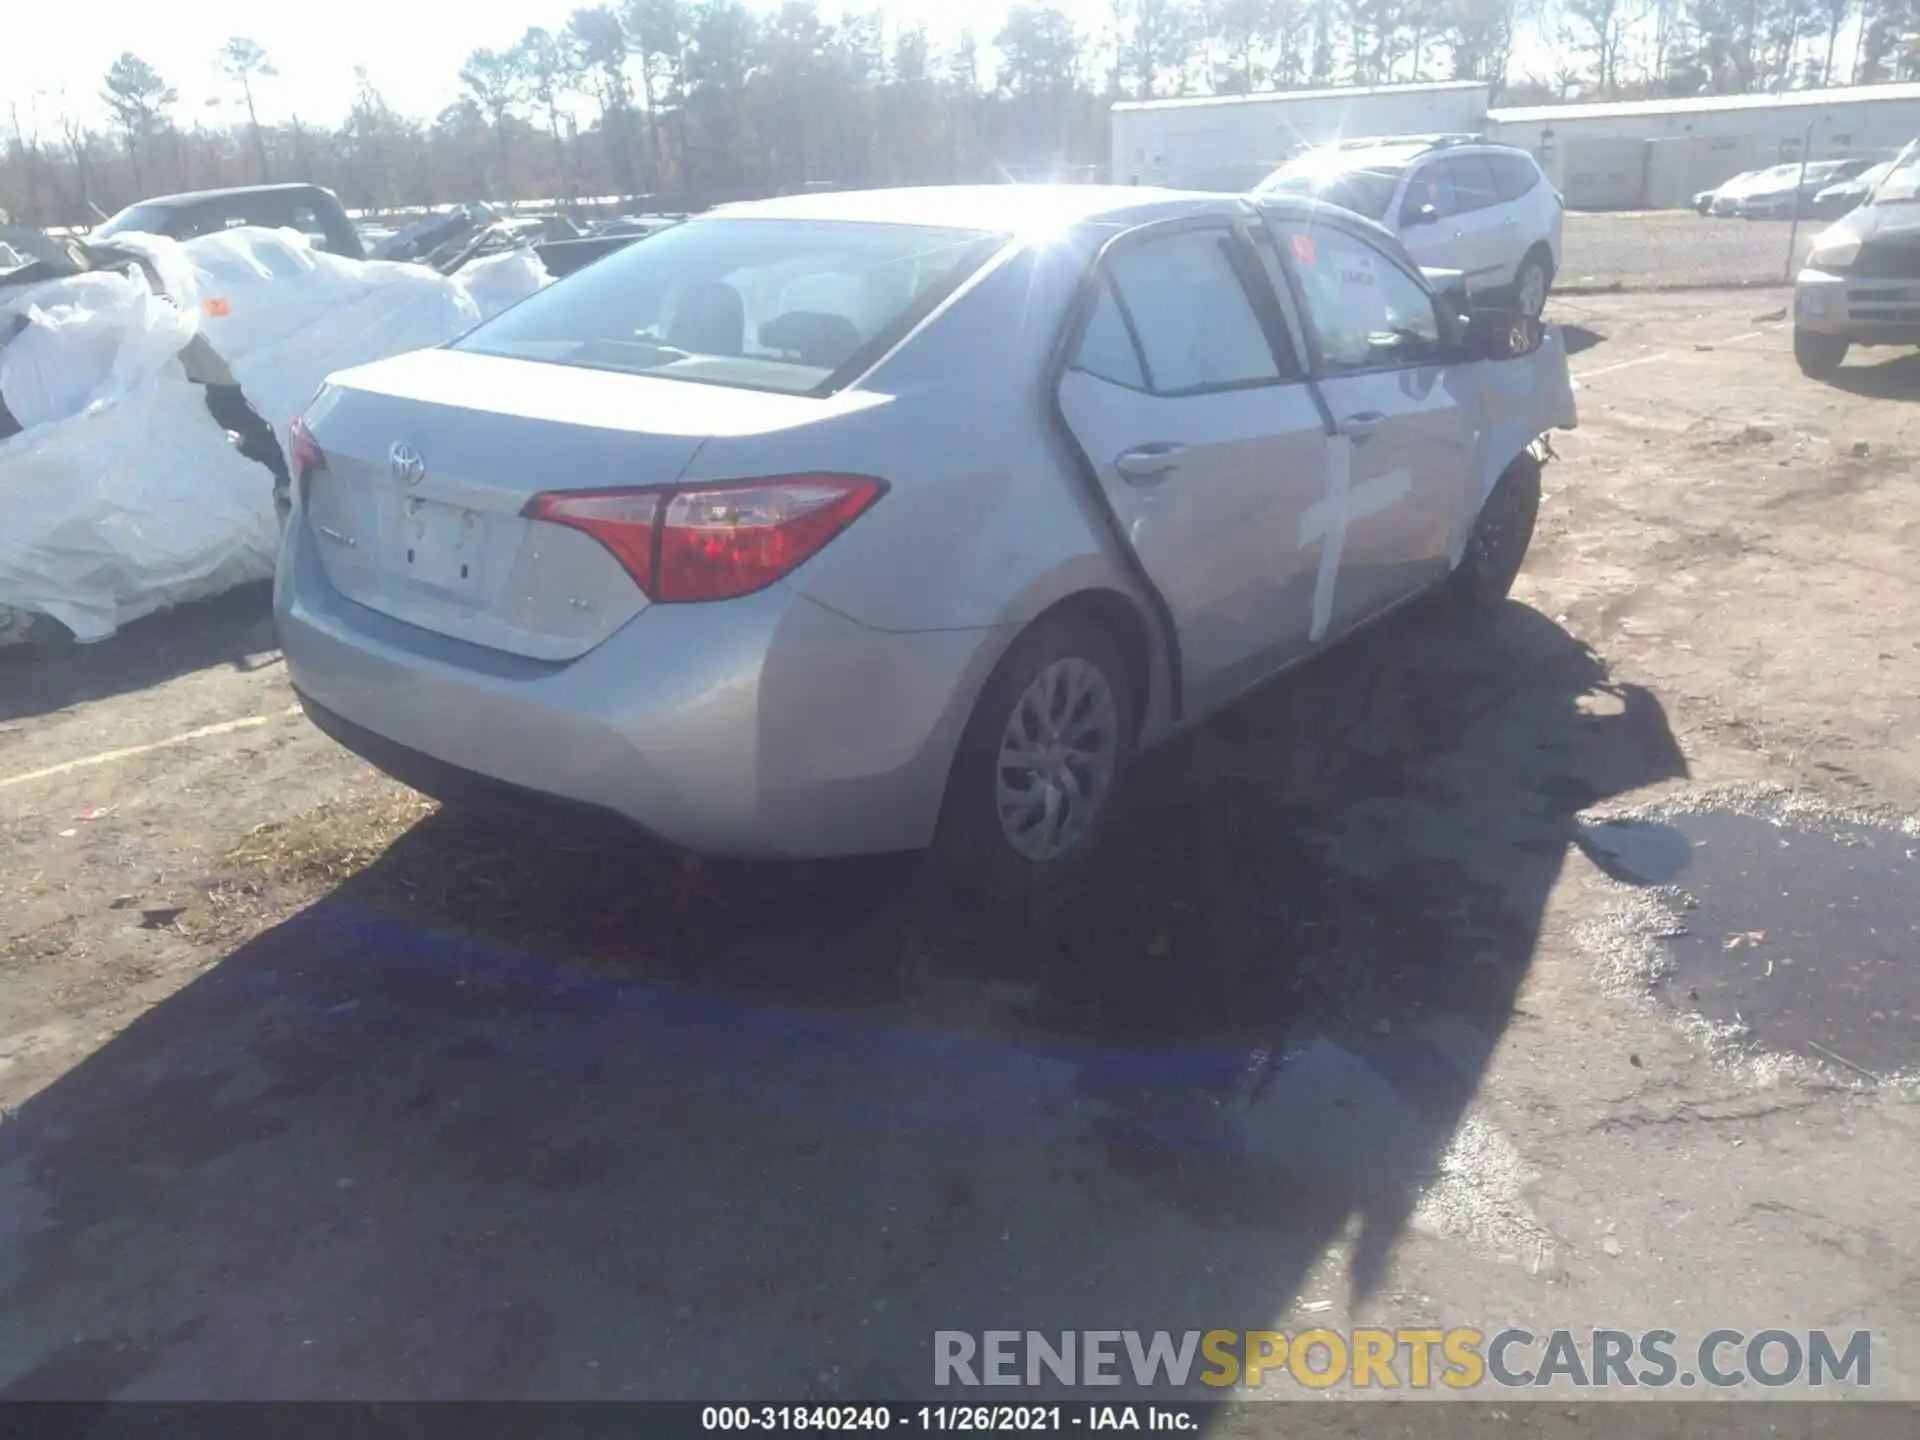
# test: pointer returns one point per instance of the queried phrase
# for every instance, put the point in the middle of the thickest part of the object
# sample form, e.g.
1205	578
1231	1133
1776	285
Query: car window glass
762	304
1366	310
1106	349
1473	182
1513	175
1293	365
1430	187
307	222
1196	326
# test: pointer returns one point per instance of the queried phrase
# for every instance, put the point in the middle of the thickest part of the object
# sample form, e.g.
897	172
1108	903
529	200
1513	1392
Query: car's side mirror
1421	215
1498	334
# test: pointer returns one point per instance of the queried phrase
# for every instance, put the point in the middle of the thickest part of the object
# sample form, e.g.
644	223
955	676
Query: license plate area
438	546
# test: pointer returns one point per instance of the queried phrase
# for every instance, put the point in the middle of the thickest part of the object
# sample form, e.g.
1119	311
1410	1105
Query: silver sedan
860	522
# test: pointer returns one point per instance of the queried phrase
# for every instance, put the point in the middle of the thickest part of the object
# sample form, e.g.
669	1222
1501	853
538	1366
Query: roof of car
1380	150
1015	209
195	197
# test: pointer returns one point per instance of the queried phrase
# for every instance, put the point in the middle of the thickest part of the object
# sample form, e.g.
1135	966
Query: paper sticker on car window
1303	249
1356	271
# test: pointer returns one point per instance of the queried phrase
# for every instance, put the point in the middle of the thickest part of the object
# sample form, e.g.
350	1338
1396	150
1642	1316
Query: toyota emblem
408	467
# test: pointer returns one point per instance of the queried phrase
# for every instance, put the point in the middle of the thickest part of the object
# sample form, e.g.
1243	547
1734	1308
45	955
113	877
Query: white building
1653	154
1617	155
1230	142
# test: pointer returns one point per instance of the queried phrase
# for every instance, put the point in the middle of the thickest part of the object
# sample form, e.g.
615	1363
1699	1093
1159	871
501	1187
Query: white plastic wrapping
122	495
91	339
284	316
497	281
139	503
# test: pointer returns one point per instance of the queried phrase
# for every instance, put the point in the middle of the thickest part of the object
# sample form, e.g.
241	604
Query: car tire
980	852
1501	534
1531	282
1817	355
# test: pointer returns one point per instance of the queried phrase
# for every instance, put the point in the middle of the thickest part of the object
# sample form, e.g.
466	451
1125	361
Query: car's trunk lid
430	458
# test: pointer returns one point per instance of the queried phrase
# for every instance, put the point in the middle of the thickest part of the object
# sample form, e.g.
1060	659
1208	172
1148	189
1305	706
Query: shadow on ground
491	1121
232	629
1579	339
1897	379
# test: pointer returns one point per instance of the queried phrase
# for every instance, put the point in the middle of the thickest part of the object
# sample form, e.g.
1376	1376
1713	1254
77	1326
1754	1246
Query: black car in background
311	209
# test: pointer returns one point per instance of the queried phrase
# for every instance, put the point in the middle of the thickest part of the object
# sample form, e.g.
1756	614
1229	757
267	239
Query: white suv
1457	202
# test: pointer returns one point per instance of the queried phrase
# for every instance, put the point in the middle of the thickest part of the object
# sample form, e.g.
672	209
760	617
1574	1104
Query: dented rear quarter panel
1512	404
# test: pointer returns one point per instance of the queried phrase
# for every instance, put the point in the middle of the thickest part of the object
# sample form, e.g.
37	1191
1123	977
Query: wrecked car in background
312	210
453	239
146	388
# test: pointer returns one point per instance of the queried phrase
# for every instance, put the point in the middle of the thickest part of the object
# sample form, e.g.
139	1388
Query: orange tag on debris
218	308
1303	249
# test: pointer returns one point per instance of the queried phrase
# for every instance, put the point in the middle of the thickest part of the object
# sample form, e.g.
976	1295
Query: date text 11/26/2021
937	1419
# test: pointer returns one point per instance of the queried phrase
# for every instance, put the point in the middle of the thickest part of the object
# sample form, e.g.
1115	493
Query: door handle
1146	464
1362	425
1510	223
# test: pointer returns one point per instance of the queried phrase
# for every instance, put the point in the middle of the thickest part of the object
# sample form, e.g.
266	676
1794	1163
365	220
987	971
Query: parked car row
446	240
1784	192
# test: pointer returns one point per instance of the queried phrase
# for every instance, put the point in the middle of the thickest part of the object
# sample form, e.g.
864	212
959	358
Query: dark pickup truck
310	209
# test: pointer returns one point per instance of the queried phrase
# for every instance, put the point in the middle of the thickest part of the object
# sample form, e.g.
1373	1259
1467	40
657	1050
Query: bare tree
1599	28
243	61
138	99
599	39
543	76
492	80
1244	31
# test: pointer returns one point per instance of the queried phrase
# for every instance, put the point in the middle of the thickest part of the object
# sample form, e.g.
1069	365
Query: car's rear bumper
764	726
1864	311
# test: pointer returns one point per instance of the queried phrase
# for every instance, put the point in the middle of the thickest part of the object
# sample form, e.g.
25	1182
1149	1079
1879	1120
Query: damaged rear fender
1514	404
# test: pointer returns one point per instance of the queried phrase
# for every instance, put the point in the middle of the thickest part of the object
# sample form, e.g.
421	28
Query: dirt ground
1365	1018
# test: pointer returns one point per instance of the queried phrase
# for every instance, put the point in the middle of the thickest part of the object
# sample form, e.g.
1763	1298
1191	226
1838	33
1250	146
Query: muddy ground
1416	990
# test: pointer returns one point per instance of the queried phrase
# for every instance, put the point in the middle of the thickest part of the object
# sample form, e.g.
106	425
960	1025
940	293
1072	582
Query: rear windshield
783	305
1902	182
138	219
1367	192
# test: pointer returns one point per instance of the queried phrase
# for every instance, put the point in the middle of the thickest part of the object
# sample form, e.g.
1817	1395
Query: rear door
1188	399
1426	224
1486	231
1400	460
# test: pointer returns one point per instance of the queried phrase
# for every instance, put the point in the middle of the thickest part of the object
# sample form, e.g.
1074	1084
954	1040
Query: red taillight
621	520
304	454
713	542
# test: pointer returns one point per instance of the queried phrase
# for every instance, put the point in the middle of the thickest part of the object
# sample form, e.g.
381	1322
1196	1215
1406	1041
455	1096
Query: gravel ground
1674	249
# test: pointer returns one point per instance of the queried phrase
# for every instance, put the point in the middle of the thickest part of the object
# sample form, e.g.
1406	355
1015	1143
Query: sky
412	52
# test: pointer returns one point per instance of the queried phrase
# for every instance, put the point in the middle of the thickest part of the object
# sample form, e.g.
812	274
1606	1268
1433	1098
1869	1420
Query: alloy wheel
1056	759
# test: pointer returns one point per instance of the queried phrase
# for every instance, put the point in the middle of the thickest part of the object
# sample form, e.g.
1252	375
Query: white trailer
1230	142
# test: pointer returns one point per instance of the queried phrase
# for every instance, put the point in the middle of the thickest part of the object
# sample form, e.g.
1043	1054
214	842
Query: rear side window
1474	187
786	305
1106	349
1197	328
1513	175
1430	186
